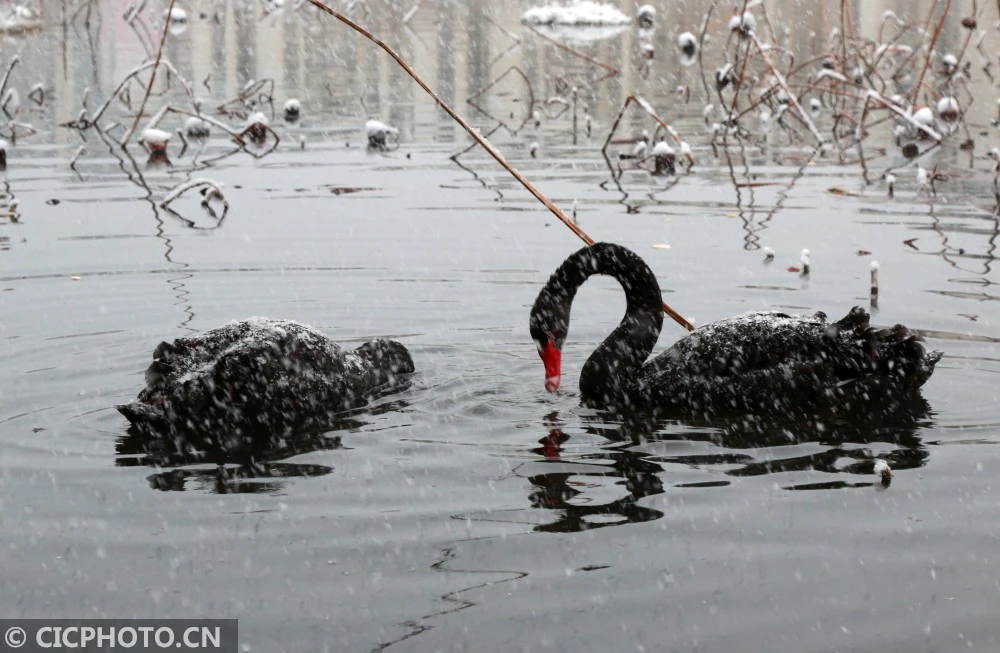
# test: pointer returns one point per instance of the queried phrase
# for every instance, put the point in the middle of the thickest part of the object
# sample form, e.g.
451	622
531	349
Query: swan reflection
261	469
587	487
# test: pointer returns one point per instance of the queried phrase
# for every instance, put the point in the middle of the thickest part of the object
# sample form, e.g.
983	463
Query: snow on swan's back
257	379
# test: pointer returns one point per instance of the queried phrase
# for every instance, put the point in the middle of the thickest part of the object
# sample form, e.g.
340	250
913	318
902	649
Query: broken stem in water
479	139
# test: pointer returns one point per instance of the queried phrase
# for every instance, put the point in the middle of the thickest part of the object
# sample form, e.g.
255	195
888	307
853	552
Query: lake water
474	511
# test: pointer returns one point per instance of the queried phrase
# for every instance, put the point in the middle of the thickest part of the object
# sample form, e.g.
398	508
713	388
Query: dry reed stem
784	85
930	46
652	114
6	76
556	211
152	77
214	186
247	94
701	49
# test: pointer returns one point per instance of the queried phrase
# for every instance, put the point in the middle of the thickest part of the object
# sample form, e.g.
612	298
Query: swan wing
763	361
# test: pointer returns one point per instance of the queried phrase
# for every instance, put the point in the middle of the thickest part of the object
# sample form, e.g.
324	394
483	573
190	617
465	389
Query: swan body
259	376
759	363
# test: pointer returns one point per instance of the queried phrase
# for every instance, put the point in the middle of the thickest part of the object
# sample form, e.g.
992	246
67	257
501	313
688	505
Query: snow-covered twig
214	191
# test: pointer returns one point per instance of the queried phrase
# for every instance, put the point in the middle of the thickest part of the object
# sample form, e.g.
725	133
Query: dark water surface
473	511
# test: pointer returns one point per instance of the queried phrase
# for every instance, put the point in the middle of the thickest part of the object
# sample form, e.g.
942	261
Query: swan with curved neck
258	378
766	363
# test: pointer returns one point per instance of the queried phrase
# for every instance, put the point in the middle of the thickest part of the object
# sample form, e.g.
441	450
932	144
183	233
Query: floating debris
347	190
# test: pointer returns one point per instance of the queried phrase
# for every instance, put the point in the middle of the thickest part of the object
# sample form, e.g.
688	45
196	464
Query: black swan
258	377
757	363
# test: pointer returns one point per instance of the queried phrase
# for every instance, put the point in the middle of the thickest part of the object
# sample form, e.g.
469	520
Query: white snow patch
376	128
581	12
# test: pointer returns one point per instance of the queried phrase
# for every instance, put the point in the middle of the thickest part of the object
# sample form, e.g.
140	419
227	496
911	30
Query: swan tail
143	414
895	355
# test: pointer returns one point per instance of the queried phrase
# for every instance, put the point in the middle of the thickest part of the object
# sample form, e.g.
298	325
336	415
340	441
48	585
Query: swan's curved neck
611	370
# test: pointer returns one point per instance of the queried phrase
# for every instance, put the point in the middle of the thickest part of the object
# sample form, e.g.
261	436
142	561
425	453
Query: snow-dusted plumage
258	378
582	12
761	364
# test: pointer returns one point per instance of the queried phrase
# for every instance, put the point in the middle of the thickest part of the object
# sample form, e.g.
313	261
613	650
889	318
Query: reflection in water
132	171
951	253
566	491
261	475
9	213
257	470
577	488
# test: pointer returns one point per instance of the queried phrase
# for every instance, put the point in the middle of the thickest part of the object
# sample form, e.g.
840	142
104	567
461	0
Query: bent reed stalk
677	317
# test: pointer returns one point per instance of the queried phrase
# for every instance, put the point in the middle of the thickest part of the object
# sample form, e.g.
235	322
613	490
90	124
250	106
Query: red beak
552	358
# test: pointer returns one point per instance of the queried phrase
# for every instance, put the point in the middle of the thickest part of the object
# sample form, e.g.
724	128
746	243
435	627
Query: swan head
549	324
